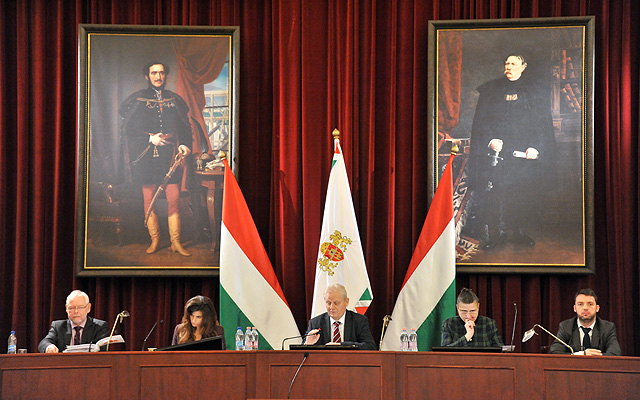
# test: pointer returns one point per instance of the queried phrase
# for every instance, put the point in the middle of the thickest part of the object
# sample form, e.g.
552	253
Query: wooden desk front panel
365	375
589	378
459	376
194	375
369	375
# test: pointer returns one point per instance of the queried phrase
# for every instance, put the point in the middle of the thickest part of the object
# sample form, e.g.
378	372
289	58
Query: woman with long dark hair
199	321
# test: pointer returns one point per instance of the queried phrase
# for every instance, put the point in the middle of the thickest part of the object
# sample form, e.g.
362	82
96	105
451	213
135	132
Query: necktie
336	332
76	337
586	341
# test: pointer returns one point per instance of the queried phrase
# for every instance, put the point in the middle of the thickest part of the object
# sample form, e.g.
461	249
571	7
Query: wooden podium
361	374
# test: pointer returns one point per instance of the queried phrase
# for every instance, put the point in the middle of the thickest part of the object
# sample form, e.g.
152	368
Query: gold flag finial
222	155
336	134
454	149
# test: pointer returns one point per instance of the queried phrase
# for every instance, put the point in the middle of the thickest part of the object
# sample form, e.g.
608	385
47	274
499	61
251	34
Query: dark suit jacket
486	333
60	333
603	337
356	330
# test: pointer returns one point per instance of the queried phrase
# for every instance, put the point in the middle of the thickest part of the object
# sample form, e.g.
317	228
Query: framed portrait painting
516	96
157	112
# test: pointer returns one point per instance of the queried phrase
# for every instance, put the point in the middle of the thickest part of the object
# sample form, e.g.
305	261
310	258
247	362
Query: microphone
91	343
529	334
306	354
385	324
149	334
513	333
296	337
123	314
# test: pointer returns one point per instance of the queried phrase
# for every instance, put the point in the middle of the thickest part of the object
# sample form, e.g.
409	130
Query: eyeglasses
76	308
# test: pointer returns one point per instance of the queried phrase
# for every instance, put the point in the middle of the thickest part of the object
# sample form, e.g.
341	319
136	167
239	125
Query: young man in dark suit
584	332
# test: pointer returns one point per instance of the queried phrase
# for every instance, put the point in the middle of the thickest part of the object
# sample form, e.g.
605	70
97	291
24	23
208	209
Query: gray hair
77	293
336	287
518	56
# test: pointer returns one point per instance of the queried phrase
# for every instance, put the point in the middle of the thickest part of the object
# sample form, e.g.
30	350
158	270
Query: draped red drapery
195	68
306	67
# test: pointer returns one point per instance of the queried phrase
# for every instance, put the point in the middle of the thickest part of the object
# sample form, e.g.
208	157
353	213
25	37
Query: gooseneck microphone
297	337
306	354
149	334
123	314
529	334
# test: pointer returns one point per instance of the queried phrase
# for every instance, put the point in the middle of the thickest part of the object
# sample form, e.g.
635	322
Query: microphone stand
149	334
513	332
306	354
385	324
123	314
296	337
529	334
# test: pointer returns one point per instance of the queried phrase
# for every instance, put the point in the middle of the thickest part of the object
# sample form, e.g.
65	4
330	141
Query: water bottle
248	339
239	339
256	337
404	340
413	340
13	343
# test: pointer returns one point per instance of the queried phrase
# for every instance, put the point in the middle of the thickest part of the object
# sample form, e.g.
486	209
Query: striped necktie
336	332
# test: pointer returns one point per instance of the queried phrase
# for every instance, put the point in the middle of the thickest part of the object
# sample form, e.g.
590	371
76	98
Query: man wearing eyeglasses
77	329
469	328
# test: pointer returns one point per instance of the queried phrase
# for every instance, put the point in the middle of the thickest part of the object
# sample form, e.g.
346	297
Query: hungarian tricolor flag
428	294
340	257
250	294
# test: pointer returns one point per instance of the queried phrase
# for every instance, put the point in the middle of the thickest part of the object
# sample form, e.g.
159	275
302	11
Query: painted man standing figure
513	149
156	128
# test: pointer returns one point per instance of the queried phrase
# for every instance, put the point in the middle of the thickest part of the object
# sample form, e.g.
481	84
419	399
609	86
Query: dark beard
586	321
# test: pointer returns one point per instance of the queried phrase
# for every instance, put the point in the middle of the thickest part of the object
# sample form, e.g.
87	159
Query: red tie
336	332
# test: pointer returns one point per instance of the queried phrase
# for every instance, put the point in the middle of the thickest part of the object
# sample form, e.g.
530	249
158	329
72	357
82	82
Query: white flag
340	256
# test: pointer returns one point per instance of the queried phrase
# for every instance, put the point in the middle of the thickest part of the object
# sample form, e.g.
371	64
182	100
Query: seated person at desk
77	329
469	328
585	332
199	321
339	325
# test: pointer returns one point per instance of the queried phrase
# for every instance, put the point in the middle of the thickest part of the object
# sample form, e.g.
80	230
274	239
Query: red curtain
450	73
307	67
195	68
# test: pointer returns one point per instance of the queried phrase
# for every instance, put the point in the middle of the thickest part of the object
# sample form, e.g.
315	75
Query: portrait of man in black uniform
516	100
156	129
513	152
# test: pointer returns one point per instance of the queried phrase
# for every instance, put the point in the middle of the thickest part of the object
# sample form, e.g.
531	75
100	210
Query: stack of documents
87	347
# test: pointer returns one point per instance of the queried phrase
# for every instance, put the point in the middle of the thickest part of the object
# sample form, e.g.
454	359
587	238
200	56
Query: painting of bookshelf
567	97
